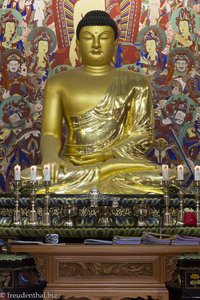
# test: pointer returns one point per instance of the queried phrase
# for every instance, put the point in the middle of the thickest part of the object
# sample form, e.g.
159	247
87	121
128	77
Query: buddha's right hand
56	165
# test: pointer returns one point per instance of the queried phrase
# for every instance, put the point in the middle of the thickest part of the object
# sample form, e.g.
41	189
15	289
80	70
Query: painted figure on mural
38	15
24	7
182	68
169	32
179	113
151	41
181	75
13	66
10	36
26	148
163	152
150	14
14	70
177	85
179	109
185	22
14	111
22	134
42	43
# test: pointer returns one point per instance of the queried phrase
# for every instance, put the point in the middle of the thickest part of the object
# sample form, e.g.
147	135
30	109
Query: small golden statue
109	117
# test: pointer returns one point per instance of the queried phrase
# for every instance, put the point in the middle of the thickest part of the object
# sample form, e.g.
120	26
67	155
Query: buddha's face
96	45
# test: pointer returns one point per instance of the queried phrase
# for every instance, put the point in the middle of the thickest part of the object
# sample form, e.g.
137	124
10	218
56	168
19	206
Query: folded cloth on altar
123	240
186	240
150	239
97	242
154	239
117	240
147	239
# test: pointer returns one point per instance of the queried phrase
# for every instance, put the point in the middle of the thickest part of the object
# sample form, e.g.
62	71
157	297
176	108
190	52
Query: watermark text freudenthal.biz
35	295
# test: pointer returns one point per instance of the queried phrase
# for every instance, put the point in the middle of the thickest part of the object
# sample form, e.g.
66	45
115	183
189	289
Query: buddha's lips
96	52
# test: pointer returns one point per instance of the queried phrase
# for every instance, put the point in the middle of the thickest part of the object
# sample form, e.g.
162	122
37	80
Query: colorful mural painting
160	38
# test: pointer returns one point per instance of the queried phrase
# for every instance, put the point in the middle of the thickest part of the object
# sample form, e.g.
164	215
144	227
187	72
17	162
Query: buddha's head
96	39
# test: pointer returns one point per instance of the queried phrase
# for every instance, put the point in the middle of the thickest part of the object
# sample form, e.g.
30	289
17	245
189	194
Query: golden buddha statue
109	117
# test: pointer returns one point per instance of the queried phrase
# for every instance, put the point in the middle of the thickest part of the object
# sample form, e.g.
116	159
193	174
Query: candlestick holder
115	202
105	216
142	215
197	197
180	183
94	196
115	205
17	216
70	211
46	218
167	218
32	214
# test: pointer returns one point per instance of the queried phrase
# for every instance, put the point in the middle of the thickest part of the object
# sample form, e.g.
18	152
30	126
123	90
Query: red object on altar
190	219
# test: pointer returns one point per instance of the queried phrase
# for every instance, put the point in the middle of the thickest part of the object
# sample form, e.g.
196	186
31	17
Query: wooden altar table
105	272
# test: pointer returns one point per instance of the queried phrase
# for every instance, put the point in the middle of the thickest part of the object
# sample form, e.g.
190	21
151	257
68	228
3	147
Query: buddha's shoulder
135	78
63	76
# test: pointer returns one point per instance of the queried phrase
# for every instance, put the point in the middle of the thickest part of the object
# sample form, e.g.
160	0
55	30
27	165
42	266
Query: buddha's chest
83	96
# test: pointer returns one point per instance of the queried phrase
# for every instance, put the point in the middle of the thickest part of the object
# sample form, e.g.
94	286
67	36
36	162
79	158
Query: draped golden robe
122	122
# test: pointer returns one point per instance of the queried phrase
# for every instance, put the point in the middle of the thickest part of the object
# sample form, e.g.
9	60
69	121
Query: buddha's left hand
91	158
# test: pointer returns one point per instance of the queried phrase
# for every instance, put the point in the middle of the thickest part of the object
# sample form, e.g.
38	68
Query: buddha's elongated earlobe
114	55
114	58
80	59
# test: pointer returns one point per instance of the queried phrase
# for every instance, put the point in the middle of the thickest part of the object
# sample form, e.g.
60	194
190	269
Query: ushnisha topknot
96	18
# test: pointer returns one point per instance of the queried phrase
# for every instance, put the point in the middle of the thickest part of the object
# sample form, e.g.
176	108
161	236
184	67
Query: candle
197	173
17	172
33	170
165	172
180	172
46	172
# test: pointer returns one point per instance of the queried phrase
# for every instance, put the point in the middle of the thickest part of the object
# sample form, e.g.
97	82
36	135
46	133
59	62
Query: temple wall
158	38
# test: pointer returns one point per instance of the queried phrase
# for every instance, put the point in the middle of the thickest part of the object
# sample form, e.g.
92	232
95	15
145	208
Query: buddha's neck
98	70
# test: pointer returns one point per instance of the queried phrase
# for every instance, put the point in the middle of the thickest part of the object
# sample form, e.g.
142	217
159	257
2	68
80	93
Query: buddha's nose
96	43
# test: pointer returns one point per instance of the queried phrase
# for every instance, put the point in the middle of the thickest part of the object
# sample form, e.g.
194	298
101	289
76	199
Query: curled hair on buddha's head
96	18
